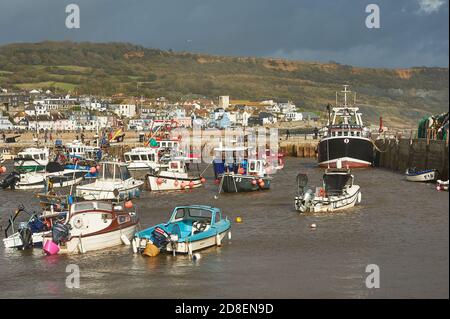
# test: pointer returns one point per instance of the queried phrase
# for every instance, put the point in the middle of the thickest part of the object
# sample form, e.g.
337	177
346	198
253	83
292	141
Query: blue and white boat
190	228
425	175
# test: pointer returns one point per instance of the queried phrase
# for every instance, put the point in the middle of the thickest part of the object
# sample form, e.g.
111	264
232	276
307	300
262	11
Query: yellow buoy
238	220
151	250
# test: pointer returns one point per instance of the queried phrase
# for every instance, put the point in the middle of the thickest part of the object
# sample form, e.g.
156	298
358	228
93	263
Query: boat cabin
176	167
141	154
114	171
188	220
335	181
79	150
34	154
256	167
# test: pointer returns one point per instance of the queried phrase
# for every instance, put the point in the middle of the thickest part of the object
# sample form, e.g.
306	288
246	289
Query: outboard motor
160	237
60	233
10	180
305	195
302	182
25	235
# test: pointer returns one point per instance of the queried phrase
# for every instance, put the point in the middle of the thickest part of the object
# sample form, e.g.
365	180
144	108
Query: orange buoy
191	184
203	180
129	204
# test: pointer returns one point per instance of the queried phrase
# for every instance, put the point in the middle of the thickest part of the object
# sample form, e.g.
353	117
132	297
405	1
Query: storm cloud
412	33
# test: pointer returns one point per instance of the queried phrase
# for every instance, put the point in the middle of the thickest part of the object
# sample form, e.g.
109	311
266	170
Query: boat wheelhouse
142	161
78	150
31	160
114	181
345	138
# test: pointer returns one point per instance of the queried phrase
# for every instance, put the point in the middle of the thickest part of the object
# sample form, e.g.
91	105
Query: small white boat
426	175
31	160
30	233
91	226
142	160
175	177
338	193
55	175
113	182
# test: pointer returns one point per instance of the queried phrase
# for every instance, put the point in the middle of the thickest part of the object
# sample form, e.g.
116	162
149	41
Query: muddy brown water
402	227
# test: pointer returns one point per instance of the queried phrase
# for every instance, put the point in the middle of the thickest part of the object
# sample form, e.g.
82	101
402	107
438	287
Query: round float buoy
98	167
129	204
216	181
262	184
3	169
203	180
238	220
183	185
196	256
313	226
92	170
240	170
159	181
191	184
254	182
175	183
260	180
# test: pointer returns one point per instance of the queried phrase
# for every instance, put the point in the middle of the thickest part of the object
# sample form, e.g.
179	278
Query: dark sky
412	33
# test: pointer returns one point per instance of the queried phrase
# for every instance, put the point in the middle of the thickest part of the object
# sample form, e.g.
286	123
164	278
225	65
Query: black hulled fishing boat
235	172
345	138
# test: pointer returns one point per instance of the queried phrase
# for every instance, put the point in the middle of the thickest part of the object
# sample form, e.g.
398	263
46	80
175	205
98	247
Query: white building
125	110
5	123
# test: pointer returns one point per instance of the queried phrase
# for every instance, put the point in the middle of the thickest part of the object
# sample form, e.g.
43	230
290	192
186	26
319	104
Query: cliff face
401	96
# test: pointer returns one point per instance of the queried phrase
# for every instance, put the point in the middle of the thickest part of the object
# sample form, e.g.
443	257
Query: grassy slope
119	68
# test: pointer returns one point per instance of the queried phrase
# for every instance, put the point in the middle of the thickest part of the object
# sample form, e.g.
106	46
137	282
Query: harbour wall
400	154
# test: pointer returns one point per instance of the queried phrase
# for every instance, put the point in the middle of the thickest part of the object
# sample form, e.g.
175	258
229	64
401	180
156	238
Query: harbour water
400	226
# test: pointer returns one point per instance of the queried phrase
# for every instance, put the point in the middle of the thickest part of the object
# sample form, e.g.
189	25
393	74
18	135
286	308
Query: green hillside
108	68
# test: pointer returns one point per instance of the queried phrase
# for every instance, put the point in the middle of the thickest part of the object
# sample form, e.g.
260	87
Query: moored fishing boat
424	175
190	228
80	151
54	174
235	172
91	226
337	193
31	160
113	182
175	177
345	137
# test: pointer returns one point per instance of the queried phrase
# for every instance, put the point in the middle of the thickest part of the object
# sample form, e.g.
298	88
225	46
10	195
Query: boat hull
352	152
236	183
96	242
332	203
426	176
168	183
93	193
186	248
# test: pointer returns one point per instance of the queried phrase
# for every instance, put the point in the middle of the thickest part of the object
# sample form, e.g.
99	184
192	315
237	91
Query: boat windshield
124	173
84	206
189	213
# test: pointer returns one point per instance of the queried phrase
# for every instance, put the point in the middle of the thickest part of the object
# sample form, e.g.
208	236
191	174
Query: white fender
125	240
359	197
134	245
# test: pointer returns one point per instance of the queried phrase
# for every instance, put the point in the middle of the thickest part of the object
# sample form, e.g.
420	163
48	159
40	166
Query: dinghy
175	177
337	193
31	232
190	228
91	226
113	182
426	175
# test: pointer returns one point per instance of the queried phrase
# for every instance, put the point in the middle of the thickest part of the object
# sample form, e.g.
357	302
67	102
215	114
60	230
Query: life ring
78	222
